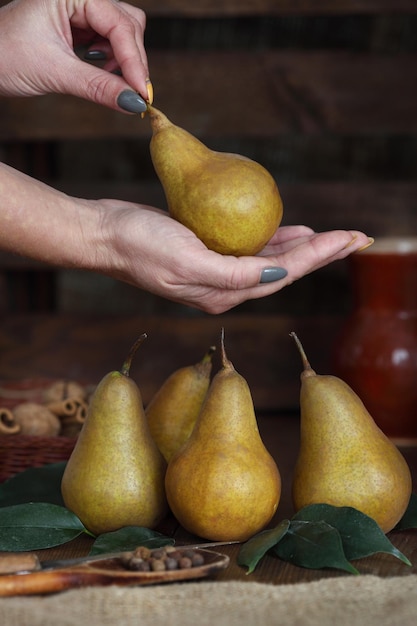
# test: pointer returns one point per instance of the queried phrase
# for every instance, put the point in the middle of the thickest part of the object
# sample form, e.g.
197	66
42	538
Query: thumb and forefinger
123	27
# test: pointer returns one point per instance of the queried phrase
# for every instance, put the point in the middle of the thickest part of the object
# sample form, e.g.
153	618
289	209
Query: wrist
44	224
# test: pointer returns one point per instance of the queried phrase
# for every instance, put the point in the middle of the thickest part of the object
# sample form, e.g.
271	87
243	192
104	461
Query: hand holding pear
344	458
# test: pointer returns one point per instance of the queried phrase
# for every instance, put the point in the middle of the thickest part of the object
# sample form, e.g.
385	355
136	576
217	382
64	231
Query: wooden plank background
261	350
278	92
322	93
206	8
273	7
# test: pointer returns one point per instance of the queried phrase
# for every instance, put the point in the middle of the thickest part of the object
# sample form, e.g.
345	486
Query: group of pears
196	450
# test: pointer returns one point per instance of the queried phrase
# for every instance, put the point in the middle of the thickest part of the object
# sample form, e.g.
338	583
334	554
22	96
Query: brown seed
185	562
136	563
158	553
175	554
188	553
197	559
142	552
157	565
170	563
144	567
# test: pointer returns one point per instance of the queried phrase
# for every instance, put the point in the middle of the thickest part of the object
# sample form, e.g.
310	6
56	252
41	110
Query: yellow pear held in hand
344	457
223	484
115	474
229	201
173	410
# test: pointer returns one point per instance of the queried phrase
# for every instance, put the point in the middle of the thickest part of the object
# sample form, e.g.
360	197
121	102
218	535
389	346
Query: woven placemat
345	601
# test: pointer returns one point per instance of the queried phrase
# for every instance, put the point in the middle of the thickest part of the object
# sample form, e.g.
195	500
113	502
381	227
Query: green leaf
409	519
129	538
361	536
255	548
37	484
37	525
314	545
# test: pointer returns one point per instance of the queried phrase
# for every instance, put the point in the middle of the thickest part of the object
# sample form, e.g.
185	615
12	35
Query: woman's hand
146	248
37	49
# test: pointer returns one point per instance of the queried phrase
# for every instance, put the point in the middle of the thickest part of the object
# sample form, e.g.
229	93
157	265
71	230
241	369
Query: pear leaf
360	534
409	519
313	545
36	484
129	538
257	546
37	525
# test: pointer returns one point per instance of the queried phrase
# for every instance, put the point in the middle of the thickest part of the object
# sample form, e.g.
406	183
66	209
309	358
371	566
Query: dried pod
36	419
71	424
81	412
63	389
63	408
8	425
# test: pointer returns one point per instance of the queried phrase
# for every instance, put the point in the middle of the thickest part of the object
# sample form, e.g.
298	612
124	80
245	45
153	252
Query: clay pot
376	353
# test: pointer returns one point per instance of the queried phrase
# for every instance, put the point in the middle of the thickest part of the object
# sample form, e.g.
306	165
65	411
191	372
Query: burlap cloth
339	601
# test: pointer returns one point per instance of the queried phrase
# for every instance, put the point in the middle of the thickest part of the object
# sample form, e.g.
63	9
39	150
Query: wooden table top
280	433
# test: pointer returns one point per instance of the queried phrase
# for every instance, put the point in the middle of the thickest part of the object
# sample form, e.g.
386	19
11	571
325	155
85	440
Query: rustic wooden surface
280	435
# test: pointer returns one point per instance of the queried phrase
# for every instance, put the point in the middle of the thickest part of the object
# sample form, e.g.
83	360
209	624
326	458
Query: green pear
115	474
173	410
344	458
229	201
223	484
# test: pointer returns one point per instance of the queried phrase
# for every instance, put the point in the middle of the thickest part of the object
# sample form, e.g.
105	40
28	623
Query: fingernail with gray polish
130	101
271	274
95	55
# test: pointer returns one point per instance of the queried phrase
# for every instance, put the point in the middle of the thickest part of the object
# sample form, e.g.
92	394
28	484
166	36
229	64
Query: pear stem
208	355
128	362
158	120
306	365
225	361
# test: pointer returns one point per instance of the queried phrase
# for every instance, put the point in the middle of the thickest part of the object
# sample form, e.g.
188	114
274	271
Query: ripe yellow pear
344	458
229	201
223	484
115	474
173	410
